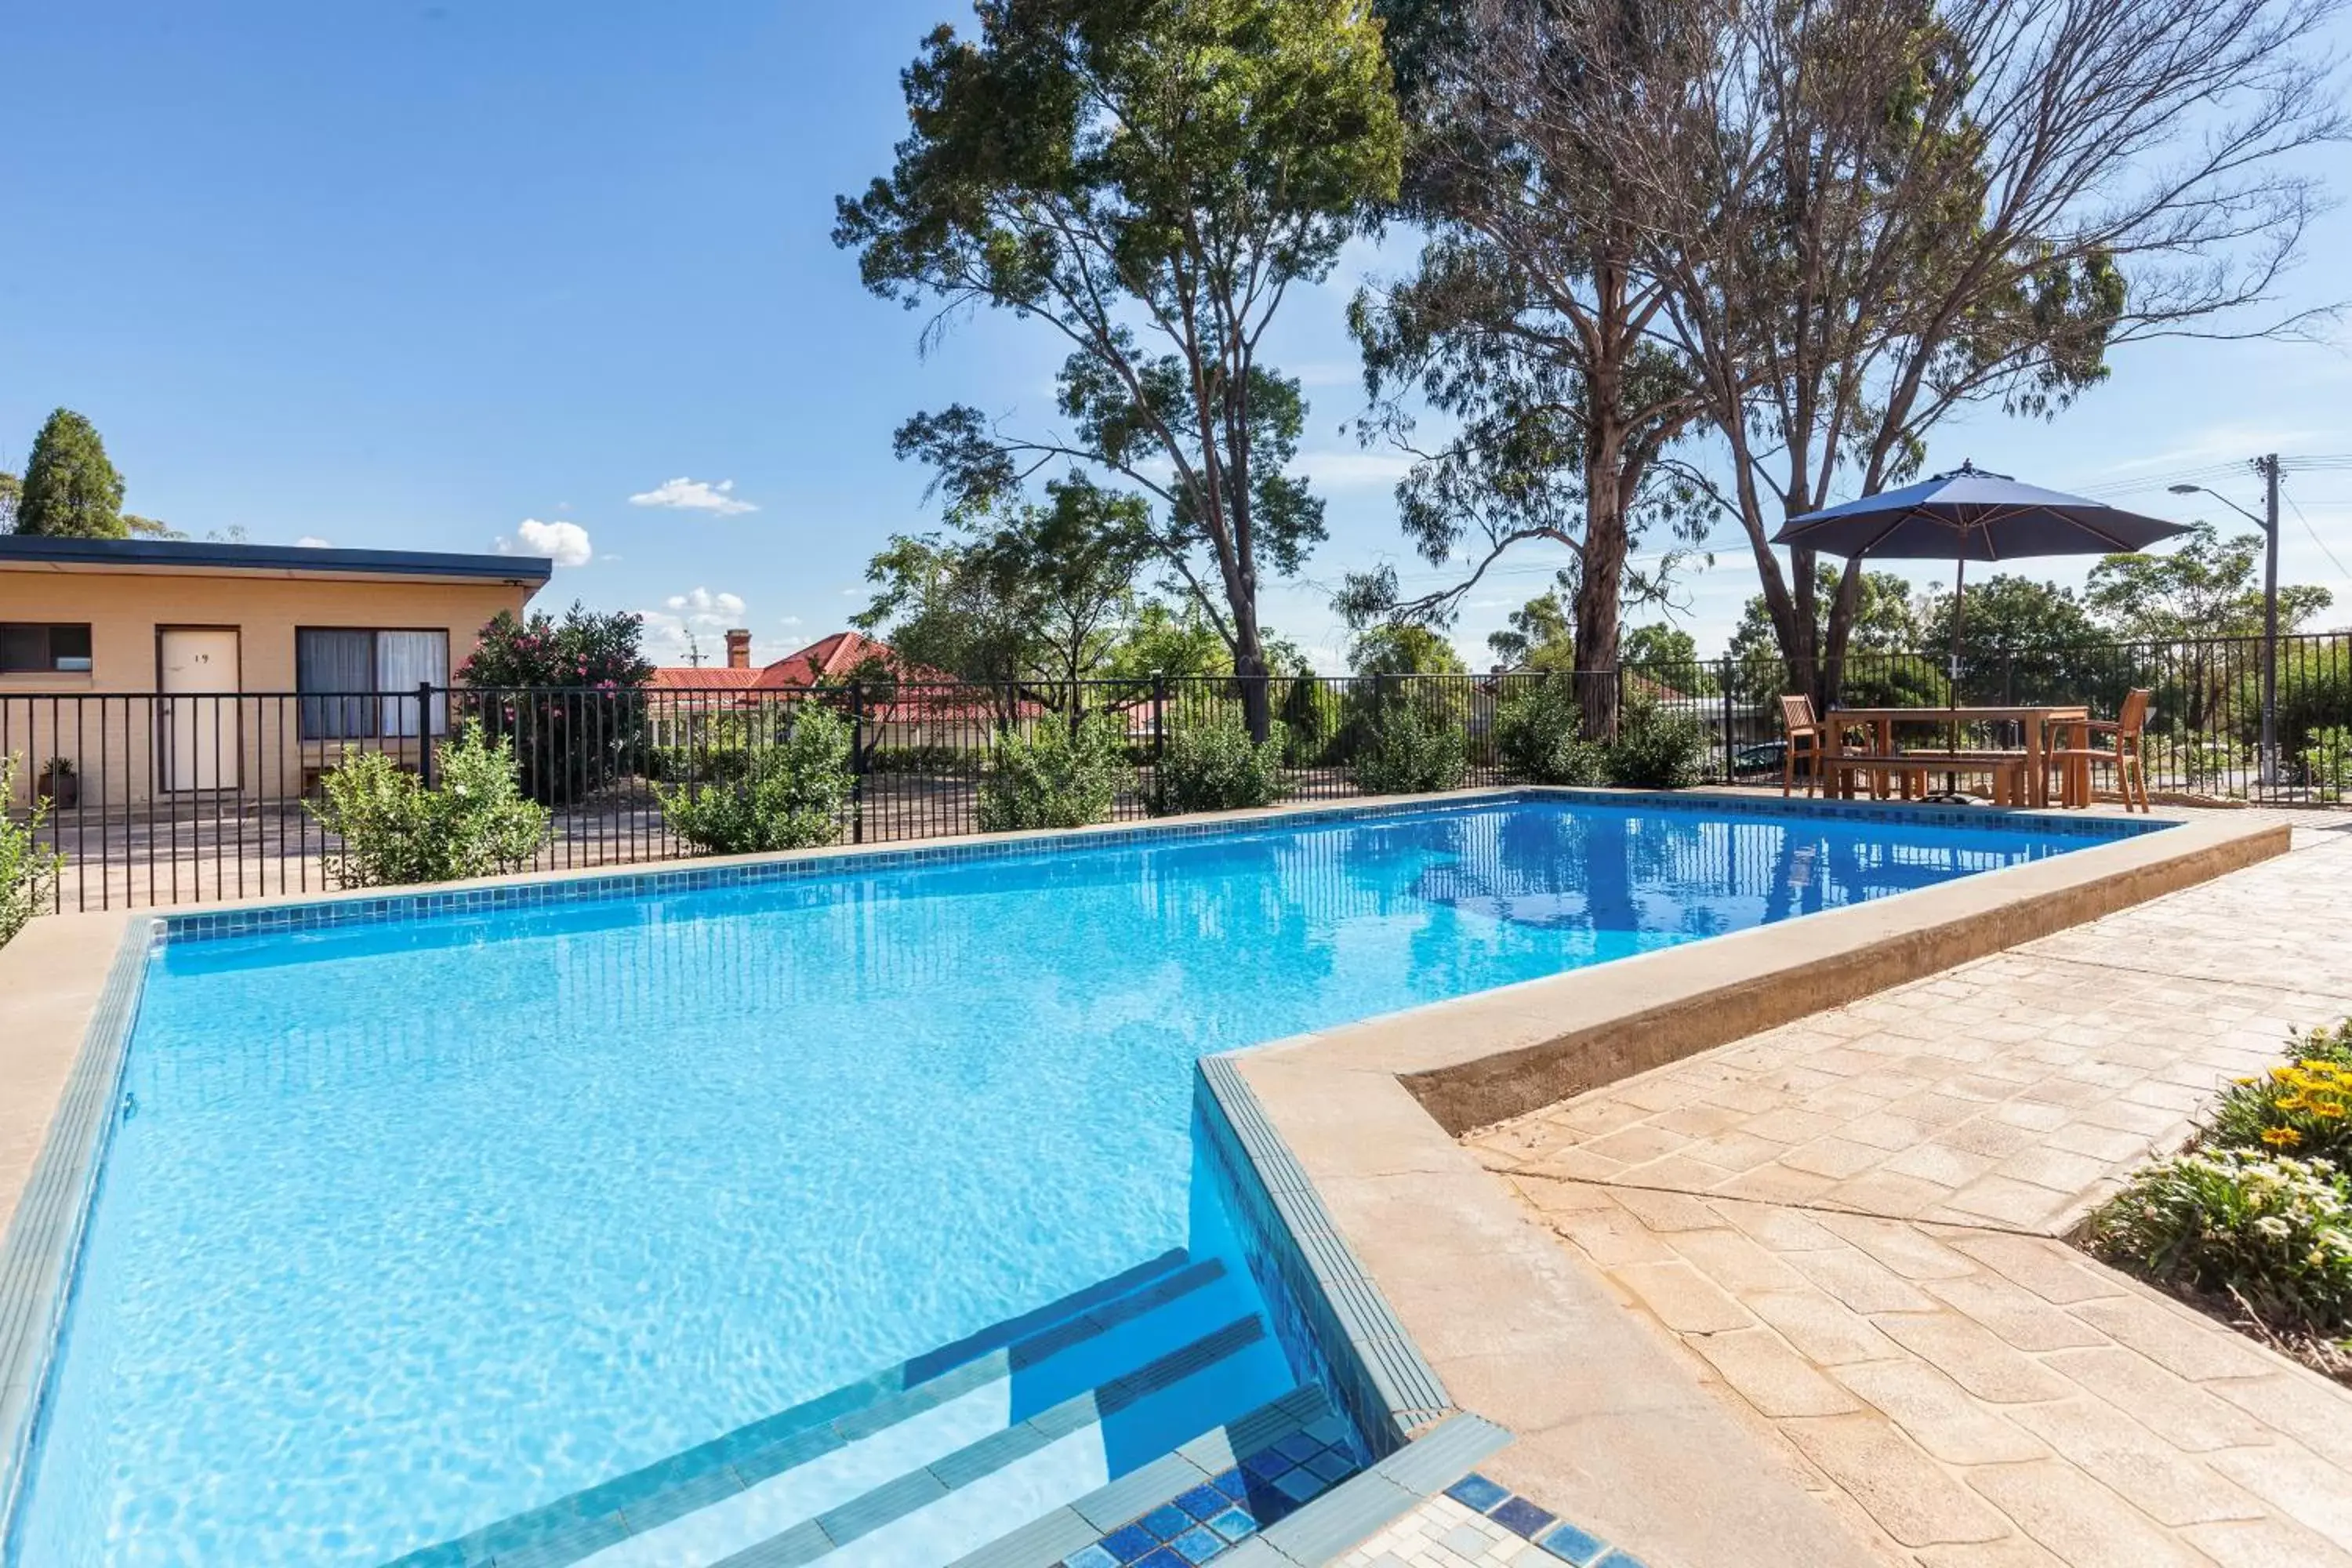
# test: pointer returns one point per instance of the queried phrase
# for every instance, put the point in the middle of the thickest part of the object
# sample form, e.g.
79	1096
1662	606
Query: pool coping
38	1256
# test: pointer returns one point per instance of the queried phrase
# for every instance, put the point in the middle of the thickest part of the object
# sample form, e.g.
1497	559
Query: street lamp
2268	467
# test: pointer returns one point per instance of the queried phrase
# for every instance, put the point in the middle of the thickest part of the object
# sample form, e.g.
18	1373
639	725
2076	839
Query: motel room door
202	731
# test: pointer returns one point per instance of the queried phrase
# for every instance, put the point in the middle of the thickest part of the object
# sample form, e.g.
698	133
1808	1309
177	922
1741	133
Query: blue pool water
412	1226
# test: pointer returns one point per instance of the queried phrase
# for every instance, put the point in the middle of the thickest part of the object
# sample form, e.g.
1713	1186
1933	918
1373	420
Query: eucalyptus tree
1150	180
1530	321
1867	215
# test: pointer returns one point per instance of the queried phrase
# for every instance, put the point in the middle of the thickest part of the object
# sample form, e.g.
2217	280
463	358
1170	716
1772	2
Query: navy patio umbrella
1972	515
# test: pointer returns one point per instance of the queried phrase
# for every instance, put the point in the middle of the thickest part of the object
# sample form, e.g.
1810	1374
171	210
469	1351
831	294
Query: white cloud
565	543
683	494
312	542
703	602
788	620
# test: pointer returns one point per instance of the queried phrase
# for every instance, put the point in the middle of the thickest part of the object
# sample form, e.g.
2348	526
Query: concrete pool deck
1842	1234
1612	1427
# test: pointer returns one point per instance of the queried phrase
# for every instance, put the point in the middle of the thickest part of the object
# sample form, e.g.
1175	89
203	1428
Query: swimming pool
410	1225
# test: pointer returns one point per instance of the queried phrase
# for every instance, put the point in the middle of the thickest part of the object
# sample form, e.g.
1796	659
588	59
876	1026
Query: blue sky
417	276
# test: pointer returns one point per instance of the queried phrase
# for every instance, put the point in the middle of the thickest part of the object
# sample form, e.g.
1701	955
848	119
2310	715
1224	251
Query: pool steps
1151	1356
964	1500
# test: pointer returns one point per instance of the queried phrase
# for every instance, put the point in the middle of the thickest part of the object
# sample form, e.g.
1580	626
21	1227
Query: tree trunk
1600	589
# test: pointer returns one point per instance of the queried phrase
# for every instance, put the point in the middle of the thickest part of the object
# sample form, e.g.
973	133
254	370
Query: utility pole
2269	465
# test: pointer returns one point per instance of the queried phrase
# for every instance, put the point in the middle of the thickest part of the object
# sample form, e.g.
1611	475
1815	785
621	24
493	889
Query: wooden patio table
2041	722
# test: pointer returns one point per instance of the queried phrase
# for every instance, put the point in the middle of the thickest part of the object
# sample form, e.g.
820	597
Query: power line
2314	536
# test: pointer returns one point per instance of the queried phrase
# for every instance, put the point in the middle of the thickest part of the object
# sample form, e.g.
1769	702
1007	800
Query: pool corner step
1224	1483
961	1501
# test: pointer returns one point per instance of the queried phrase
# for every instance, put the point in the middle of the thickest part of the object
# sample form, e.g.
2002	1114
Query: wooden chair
1805	732
2124	755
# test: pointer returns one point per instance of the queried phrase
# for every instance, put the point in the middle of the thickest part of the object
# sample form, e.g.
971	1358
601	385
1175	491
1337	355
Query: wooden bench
2007	770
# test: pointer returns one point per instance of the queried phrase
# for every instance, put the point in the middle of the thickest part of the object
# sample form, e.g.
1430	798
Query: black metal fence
162	798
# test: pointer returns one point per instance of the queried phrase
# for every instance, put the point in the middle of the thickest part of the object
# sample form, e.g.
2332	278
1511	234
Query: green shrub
1406	750
2327	762
1216	767
792	794
2275	1233
474	822
1539	735
1056	775
29	871
1657	748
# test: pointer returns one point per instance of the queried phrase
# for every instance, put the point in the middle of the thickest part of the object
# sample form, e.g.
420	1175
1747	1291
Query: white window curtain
404	660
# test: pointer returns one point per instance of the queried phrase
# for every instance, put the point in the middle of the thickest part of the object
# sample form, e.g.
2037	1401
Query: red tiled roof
833	658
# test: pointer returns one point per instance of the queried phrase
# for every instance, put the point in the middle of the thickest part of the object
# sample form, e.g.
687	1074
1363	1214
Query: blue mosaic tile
1298	1448
1166	1520
1568	1541
1301	1484
1260	1469
1620	1558
1521	1517
1198	1544
1090	1557
1235	1524
1231	1483
1332	1465
1204	1502
1162	1557
1476	1492
1128	1542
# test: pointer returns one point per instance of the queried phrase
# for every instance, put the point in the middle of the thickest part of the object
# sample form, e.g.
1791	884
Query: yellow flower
2326	1110
2291	1102
2281	1137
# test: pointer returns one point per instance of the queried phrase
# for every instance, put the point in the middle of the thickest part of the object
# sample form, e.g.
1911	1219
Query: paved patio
1848	1229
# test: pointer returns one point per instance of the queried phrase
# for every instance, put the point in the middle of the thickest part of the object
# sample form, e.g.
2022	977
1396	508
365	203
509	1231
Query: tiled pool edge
540	888
1381	1378
39	1255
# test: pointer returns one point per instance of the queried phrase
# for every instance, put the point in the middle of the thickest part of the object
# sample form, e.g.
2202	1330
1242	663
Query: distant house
170	667
913	704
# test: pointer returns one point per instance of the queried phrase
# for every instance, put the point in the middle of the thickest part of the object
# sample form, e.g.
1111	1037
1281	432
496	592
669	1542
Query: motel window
359	682
36	649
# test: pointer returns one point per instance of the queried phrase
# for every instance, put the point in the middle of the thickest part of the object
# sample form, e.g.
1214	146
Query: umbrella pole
1952	670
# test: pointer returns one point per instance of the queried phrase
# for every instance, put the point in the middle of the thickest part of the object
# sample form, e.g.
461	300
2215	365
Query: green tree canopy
1541	633
1034	601
1657	643
2204	587
1403	647
1150	180
70	491
12	490
2008	612
1177	642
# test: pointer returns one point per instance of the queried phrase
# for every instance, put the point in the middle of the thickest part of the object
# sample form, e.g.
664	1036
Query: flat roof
188	555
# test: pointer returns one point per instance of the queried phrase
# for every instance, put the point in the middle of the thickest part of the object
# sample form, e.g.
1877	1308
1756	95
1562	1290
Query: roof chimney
738	650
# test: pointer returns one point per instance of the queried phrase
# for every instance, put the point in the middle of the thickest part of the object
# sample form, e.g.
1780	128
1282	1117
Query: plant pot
63	793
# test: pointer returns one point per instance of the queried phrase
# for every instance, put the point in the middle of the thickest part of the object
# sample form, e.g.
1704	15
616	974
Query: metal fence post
858	761
1723	684
1159	738
424	733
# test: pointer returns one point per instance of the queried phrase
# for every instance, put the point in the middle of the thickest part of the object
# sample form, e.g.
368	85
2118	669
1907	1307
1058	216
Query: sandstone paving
1854	1227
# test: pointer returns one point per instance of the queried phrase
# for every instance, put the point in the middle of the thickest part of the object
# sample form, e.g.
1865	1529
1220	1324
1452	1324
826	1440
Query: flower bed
2254	1222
